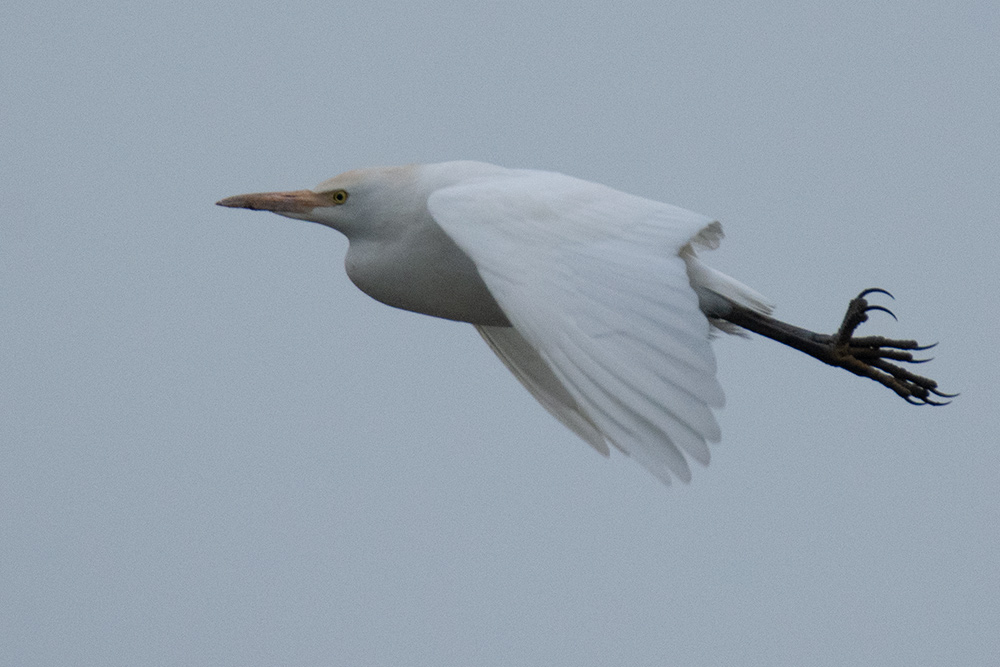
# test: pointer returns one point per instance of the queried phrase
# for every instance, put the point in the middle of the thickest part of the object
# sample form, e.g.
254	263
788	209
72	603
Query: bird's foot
873	356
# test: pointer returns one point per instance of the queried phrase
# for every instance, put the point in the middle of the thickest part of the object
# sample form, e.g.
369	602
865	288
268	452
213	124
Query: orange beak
295	201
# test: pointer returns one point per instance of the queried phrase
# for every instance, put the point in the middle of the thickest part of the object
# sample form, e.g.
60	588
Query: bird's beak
296	201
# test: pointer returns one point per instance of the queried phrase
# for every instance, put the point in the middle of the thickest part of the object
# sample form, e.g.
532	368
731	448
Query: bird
597	300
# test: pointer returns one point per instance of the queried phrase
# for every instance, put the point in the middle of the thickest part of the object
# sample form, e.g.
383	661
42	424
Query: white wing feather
608	334
536	376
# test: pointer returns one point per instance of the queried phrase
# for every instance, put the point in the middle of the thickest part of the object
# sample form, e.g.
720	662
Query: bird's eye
337	196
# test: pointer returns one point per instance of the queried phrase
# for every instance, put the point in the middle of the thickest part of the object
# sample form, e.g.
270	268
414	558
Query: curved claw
874	290
942	394
919	361
930	402
883	309
921	348
916	400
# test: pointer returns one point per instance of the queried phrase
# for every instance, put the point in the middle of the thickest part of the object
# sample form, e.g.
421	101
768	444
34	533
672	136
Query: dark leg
867	356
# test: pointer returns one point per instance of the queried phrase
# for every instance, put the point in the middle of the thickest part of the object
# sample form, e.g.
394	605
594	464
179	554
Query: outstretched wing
531	371
609	335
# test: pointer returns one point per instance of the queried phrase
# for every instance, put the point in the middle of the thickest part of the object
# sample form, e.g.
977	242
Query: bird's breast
423	273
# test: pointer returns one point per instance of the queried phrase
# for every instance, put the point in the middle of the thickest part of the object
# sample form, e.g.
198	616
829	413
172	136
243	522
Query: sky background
214	450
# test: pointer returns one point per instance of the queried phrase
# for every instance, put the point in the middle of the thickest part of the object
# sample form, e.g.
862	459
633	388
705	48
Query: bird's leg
868	356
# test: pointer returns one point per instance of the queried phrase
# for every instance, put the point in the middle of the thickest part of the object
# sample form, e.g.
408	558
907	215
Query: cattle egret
596	300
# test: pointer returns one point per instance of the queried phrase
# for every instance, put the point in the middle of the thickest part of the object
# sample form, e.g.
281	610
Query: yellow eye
337	196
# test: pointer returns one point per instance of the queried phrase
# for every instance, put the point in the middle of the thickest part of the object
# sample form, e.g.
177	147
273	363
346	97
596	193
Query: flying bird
595	299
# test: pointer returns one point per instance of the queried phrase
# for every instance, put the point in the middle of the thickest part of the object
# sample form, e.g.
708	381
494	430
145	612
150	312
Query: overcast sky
215	450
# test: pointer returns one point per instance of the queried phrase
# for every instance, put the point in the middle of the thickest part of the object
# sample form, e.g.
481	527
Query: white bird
594	299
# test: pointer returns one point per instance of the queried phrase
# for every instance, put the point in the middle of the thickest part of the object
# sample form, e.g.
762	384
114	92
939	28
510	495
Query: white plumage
596	285
595	299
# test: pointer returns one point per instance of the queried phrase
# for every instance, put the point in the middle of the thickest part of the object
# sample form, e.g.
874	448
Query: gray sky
216	451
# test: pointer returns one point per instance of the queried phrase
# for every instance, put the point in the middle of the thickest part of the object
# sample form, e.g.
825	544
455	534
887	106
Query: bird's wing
592	281
531	370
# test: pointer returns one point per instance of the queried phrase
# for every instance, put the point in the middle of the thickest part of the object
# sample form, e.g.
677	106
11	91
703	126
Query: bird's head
354	203
397	253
